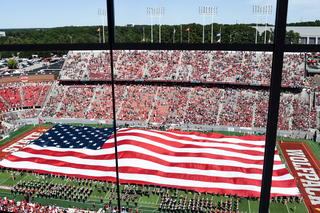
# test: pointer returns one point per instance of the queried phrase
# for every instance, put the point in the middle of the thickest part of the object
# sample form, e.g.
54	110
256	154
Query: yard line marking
157	199
287	208
249	206
5	180
107	194
24	177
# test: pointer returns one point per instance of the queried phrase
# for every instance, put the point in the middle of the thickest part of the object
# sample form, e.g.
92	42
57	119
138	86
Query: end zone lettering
309	178
20	143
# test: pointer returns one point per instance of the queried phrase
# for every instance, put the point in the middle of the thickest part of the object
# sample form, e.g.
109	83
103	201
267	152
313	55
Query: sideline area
305	167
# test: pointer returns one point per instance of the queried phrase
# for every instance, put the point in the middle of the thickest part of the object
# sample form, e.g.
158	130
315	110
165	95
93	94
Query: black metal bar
157	46
301	48
112	40
275	89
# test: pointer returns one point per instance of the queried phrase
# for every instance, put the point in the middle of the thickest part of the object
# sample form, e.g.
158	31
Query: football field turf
144	203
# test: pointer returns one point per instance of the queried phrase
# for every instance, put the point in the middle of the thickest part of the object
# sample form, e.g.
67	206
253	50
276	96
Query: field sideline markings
287	208
316	150
249	206
286	162
310	156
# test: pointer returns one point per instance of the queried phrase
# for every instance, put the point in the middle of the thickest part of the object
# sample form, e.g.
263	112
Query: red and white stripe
204	162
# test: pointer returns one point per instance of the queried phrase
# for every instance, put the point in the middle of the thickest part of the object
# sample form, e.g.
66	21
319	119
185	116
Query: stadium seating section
205	104
212	66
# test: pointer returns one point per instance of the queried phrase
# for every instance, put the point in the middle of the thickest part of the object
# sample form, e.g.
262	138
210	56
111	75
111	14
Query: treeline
232	34
239	33
306	24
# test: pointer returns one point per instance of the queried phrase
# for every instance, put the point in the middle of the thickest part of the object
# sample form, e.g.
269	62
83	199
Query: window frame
278	48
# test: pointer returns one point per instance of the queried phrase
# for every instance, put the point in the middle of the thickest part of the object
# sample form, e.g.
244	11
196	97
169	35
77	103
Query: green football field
144	203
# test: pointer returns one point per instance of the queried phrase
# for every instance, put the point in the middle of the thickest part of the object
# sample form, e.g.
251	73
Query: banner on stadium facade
24	79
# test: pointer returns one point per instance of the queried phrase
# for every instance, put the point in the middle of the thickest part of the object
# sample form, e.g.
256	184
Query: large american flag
194	161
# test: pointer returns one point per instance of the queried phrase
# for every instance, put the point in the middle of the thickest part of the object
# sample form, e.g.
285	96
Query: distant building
309	35
130	25
2	33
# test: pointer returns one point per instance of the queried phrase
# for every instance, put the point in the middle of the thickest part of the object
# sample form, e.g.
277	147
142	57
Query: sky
58	13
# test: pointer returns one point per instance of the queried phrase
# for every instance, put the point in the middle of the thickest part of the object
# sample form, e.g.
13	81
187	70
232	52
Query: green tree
292	37
12	64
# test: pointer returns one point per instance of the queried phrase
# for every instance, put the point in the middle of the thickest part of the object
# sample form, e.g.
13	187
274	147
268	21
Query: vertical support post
112	40
274	99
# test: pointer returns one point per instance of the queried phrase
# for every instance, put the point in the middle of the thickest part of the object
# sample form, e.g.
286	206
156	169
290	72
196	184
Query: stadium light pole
208	11
102	14
214	12
268	11
257	10
160	14
262	10
150	13
155	12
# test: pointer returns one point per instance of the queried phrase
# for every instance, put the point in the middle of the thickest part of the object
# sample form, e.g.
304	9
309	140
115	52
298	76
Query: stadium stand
11	94
216	66
179	103
31	94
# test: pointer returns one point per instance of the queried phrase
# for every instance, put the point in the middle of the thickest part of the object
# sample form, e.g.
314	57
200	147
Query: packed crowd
11	95
162	64
137	103
75	102
303	116
54	100
202	105
216	66
30	113
169	105
15	96
31	94
237	108
24	206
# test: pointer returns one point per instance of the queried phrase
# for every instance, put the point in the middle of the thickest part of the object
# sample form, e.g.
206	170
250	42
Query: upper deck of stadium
233	67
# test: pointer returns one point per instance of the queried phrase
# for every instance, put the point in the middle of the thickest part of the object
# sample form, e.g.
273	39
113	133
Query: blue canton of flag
65	136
